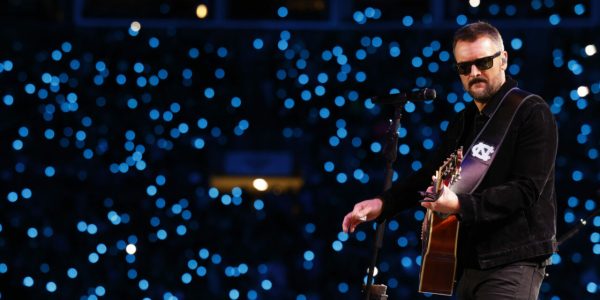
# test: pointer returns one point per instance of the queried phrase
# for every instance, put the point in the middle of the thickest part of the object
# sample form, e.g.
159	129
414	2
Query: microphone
417	95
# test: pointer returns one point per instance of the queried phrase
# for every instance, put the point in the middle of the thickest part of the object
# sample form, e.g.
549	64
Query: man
508	223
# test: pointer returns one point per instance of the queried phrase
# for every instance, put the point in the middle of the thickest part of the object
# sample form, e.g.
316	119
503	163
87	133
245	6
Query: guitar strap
482	151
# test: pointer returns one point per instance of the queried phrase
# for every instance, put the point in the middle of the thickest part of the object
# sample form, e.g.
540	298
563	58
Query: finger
352	226
444	191
351	221
349	227
346	222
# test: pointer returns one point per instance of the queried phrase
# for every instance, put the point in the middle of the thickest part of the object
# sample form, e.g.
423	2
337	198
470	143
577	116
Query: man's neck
480	105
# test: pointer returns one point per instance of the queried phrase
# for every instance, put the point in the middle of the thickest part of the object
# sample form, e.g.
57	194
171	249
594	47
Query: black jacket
511	216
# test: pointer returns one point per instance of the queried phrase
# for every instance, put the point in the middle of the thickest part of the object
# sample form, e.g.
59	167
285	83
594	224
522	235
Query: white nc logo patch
482	151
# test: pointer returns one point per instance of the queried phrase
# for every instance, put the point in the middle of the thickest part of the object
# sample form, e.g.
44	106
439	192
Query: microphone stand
582	222
390	152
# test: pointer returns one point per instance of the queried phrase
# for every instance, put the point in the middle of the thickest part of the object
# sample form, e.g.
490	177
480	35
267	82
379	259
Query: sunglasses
482	64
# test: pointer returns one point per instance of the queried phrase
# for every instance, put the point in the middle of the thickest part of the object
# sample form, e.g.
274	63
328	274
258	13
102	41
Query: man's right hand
363	211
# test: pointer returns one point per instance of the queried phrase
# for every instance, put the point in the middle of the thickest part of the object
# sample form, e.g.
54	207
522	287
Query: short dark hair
473	31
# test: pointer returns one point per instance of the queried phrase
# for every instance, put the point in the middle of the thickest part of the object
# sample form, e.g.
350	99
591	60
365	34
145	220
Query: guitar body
438	264
439	237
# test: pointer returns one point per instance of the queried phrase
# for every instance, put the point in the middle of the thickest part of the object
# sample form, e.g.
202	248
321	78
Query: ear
504	59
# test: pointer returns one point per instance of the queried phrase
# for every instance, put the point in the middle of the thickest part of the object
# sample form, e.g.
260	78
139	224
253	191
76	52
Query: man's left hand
446	203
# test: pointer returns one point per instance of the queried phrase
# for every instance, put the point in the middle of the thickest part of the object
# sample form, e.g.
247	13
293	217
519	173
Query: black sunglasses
482	64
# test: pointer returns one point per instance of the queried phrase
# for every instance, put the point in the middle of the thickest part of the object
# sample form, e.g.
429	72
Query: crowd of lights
107	118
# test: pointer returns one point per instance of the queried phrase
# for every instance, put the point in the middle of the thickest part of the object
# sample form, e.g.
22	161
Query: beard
484	95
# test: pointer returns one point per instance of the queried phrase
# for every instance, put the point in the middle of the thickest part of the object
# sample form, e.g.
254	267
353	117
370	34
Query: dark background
112	136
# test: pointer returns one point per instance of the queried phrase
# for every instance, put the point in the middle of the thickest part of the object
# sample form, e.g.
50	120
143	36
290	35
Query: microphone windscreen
428	94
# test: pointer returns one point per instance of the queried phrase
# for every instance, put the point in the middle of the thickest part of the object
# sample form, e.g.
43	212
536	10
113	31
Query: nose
474	71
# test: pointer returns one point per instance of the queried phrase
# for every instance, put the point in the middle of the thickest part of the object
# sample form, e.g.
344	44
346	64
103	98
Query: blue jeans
516	281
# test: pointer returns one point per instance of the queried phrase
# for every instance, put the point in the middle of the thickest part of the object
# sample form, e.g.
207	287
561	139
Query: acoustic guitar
440	235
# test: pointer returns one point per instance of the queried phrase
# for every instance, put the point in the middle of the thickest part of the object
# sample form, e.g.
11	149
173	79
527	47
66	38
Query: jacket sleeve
405	194
534	158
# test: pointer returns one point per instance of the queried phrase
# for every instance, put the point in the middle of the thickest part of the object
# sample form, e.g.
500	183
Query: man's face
481	84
